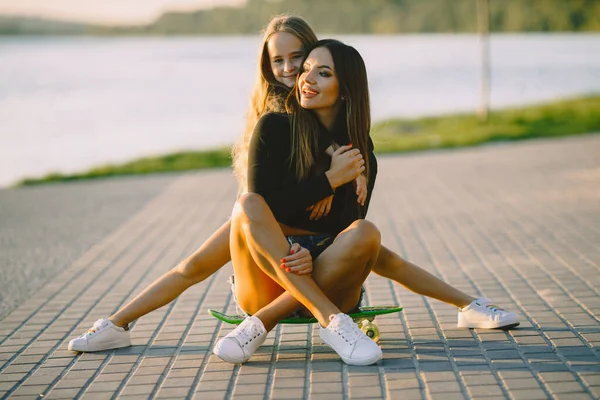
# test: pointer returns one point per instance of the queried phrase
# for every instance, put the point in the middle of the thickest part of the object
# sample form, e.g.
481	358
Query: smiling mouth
308	92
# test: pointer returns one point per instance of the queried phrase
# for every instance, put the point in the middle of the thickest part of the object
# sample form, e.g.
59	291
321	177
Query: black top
271	175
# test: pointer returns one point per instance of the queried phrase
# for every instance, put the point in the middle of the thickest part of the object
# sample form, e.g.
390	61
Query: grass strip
561	118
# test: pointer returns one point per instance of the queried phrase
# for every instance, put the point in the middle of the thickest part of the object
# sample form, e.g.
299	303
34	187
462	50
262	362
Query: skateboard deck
368	313
363	318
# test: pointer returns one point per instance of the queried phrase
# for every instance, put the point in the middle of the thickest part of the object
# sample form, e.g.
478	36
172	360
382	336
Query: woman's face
318	83
285	56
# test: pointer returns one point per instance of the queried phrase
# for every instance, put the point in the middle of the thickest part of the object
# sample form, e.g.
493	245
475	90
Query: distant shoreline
574	116
348	17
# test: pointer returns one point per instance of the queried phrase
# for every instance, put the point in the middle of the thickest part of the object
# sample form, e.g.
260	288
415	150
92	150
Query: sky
105	11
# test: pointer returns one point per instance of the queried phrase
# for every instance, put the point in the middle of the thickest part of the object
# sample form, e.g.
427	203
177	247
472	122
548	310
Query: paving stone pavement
40	238
519	223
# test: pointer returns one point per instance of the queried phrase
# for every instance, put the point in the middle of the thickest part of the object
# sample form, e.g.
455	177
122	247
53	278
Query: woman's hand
346	165
360	185
321	209
299	261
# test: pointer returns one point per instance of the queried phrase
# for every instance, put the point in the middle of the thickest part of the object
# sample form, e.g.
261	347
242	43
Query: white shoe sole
511	323
100	346
369	361
226	358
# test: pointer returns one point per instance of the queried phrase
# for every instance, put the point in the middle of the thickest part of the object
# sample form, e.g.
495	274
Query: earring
343	98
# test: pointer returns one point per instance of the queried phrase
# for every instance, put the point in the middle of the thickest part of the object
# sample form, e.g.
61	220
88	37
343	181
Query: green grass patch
562	118
184	161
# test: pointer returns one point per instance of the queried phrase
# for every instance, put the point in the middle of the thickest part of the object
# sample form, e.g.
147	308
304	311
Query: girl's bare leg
205	261
473	313
390	265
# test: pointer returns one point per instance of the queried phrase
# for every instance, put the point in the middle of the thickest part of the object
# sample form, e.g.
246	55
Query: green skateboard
363	318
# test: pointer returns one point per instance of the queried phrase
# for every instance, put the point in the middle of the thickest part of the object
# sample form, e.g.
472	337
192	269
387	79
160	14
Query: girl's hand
299	261
321	209
360	185
346	165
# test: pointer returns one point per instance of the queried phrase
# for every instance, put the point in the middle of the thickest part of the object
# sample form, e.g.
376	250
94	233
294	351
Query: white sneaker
238	345
481	313
351	344
103	335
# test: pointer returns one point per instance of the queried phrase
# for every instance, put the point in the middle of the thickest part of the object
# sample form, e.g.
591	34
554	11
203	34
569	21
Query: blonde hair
268	94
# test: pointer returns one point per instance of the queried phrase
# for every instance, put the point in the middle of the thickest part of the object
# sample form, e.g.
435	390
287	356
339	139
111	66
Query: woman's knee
362	241
366	235
249	206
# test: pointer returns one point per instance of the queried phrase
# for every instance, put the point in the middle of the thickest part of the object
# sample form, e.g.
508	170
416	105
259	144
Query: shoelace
346	328
248	333
95	328
493	307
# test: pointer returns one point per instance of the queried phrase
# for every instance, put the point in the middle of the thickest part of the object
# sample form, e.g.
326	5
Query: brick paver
519	223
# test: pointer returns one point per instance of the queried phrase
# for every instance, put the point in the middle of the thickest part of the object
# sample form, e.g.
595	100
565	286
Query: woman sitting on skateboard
284	45
288	172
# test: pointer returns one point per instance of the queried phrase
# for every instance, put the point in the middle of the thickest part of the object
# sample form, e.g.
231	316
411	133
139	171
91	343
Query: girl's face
318	83
285	56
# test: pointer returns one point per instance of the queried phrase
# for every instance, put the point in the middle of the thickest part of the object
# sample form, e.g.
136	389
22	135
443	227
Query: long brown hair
268	94
351	73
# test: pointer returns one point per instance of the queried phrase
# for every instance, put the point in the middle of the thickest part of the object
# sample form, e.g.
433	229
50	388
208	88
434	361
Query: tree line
364	17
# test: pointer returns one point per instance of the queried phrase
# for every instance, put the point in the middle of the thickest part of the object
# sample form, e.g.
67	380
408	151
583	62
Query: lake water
67	104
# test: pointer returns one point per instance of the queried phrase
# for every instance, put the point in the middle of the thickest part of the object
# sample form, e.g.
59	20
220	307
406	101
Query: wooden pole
483	27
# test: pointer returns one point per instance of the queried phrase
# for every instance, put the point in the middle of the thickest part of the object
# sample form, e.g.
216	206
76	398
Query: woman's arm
271	175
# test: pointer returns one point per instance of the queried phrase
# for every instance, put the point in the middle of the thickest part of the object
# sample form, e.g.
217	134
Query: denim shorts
315	244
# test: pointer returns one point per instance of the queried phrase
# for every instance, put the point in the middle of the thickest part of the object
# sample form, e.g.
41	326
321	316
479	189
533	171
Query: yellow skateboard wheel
370	329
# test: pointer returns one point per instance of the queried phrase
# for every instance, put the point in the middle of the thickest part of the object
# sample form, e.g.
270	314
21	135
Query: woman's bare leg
390	265
257	244
339	271
205	261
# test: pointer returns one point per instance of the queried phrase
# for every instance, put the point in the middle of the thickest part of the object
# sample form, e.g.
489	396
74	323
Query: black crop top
271	175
